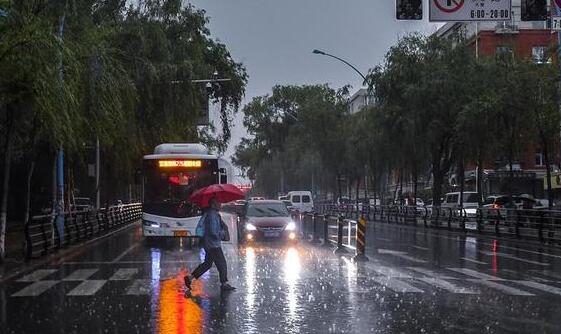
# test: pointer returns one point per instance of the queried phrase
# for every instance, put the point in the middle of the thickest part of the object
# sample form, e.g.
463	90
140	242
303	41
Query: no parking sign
470	10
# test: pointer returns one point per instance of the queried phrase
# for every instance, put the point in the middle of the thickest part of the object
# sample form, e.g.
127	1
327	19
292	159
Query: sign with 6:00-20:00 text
469	10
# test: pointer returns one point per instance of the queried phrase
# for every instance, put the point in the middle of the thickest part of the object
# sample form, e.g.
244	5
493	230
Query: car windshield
470	198
267	210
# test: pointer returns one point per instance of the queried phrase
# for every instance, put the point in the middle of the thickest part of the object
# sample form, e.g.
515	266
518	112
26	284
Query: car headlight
290	226
250	227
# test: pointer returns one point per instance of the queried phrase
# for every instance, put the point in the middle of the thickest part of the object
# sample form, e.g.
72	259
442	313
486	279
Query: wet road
417	281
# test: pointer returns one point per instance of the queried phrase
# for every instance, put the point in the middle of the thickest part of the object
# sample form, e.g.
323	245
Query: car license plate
181	233
271	234
471	226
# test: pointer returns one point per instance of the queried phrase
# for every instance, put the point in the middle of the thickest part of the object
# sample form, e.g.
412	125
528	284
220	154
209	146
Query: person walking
212	242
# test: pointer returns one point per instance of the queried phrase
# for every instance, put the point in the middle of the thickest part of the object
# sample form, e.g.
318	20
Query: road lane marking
125	252
472	260
35	289
419	247
540	286
400	254
87	288
395	284
502	288
512	257
482	241
388	271
139	287
548	273
475	274
80	274
429	273
124	274
384	239
445	285
37	275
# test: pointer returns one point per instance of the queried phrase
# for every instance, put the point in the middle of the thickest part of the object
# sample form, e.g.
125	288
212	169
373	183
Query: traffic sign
470	10
556	16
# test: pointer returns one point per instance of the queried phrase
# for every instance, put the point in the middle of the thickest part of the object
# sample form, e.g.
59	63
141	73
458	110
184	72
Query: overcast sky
274	39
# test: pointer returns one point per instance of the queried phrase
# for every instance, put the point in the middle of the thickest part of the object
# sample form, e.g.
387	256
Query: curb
60	255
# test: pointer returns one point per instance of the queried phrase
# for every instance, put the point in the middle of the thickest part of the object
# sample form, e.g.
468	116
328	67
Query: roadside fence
42	235
529	224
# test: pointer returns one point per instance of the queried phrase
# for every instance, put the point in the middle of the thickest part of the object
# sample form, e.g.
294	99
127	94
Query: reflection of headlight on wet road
290	226
250	227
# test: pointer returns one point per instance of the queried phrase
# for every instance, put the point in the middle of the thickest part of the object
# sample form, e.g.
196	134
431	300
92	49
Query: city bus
170	176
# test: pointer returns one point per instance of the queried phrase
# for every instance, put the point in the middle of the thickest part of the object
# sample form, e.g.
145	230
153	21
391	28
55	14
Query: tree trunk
338	186
30	170
480	180
415	179
437	177
461	180
548	174
10	134
357	190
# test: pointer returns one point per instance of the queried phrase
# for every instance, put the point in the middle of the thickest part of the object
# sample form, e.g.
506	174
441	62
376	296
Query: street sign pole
557	19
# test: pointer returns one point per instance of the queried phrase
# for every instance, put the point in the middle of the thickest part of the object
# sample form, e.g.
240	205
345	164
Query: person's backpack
224	231
200	229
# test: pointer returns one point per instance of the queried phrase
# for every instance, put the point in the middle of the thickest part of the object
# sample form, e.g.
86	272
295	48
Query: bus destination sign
180	163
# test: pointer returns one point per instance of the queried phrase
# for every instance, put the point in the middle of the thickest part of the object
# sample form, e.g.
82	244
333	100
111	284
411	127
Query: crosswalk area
373	277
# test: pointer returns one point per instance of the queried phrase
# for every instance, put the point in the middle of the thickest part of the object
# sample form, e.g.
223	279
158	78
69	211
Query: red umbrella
222	192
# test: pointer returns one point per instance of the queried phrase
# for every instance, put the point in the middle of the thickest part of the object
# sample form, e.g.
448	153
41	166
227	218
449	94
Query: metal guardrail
42	236
529	224
329	230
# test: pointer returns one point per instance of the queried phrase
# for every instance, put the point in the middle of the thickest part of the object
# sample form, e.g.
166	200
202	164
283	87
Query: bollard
340	249
325	231
314	223
361	241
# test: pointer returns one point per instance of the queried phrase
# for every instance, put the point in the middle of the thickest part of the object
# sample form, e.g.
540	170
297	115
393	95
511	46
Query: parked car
452	200
470	202
301	200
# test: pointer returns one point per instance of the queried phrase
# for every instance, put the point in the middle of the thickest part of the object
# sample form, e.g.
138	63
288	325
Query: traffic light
534	10
409	9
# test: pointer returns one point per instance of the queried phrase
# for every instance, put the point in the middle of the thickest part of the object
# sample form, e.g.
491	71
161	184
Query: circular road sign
450	6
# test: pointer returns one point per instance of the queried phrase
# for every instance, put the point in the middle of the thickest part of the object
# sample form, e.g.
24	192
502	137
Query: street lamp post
323	53
369	94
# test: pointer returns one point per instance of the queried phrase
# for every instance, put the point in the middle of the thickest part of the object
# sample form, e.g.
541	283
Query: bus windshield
166	191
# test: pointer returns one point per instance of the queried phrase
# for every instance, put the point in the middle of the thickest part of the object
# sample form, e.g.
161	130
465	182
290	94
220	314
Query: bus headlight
290	226
250	227
150	224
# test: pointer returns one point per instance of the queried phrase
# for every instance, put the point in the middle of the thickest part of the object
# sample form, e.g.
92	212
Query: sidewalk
15	239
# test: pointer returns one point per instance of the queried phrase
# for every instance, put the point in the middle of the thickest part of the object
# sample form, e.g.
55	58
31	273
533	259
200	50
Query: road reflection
177	313
171	312
292	274
250	281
